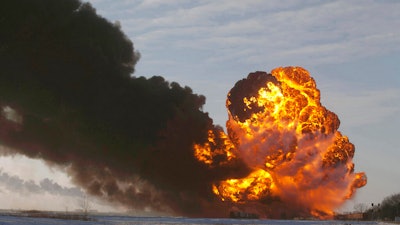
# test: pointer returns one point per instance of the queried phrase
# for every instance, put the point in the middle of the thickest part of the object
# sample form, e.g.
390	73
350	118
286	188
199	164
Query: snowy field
121	220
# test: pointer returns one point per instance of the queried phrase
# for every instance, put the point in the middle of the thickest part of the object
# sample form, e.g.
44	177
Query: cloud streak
366	107
273	31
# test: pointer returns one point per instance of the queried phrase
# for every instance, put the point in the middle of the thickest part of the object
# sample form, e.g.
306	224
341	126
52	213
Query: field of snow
126	220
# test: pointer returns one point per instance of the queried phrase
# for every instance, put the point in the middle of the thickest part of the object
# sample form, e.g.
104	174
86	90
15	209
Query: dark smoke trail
67	96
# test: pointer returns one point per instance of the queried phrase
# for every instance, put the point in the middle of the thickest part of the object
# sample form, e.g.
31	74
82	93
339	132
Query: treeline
388	209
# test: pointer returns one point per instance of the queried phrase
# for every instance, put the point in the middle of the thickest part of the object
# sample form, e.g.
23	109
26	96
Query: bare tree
360	207
85	205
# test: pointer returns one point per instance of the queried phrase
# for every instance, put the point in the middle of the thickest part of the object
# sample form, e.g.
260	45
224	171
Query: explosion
68	97
291	142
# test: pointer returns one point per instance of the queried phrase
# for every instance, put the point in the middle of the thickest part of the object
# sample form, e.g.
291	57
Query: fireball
279	128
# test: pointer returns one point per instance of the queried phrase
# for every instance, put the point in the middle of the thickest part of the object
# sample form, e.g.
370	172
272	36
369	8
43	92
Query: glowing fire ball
301	164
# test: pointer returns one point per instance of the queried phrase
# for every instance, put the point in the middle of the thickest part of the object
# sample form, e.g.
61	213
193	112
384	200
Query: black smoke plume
67	95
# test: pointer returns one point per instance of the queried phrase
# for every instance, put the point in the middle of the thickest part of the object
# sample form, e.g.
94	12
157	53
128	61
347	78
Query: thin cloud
366	107
283	31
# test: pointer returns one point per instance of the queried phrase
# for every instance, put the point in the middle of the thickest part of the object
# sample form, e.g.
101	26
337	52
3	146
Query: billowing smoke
16	184
67	96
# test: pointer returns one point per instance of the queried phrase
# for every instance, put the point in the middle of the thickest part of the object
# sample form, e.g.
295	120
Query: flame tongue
280	129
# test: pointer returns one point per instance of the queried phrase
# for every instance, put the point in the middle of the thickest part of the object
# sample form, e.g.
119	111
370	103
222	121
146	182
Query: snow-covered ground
125	220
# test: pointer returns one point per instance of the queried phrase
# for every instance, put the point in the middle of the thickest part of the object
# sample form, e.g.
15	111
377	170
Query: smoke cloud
67	95
16	184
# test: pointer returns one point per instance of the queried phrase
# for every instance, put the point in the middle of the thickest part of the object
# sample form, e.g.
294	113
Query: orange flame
292	143
215	147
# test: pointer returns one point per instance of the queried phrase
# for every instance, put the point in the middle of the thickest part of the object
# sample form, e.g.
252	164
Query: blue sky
351	48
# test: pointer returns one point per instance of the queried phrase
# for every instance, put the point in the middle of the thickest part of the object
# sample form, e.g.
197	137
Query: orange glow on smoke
253	187
215	147
292	144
